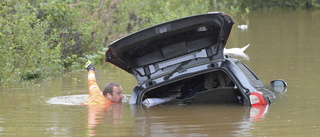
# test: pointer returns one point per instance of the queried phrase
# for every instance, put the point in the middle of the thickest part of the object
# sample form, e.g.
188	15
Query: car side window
254	80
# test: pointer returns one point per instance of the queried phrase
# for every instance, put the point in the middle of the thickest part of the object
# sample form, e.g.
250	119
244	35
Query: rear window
253	79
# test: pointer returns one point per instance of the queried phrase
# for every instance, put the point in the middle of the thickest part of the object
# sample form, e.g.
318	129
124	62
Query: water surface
283	45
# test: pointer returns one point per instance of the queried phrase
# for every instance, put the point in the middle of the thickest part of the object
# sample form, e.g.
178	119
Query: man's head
113	92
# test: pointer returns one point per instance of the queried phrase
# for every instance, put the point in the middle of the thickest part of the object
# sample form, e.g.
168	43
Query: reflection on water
283	45
110	114
194	120
172	120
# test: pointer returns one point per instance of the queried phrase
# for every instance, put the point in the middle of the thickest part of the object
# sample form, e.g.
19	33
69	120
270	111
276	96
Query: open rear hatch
146	53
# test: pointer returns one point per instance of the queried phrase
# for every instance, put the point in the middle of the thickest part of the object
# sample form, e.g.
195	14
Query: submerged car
182	61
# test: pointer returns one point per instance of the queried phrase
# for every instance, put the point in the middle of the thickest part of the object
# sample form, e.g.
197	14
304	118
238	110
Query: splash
237	52
76	99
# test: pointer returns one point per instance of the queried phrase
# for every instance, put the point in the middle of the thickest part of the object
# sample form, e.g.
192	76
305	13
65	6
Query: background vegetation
42	38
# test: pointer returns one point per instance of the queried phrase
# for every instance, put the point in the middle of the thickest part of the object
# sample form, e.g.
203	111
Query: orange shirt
95	94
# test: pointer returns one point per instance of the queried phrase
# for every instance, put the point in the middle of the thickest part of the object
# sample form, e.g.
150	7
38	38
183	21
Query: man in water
102	104
112	92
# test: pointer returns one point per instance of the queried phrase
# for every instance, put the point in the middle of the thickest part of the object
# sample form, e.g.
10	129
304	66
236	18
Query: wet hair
108	88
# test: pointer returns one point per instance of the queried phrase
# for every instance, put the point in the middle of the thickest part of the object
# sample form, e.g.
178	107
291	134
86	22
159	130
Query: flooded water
283	45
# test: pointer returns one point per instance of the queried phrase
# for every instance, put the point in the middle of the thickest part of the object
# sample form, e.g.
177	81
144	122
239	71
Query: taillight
256	98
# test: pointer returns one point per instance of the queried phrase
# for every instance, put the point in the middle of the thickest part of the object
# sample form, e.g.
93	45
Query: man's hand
89	65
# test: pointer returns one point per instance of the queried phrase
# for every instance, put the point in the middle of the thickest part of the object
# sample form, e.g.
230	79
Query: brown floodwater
283	45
